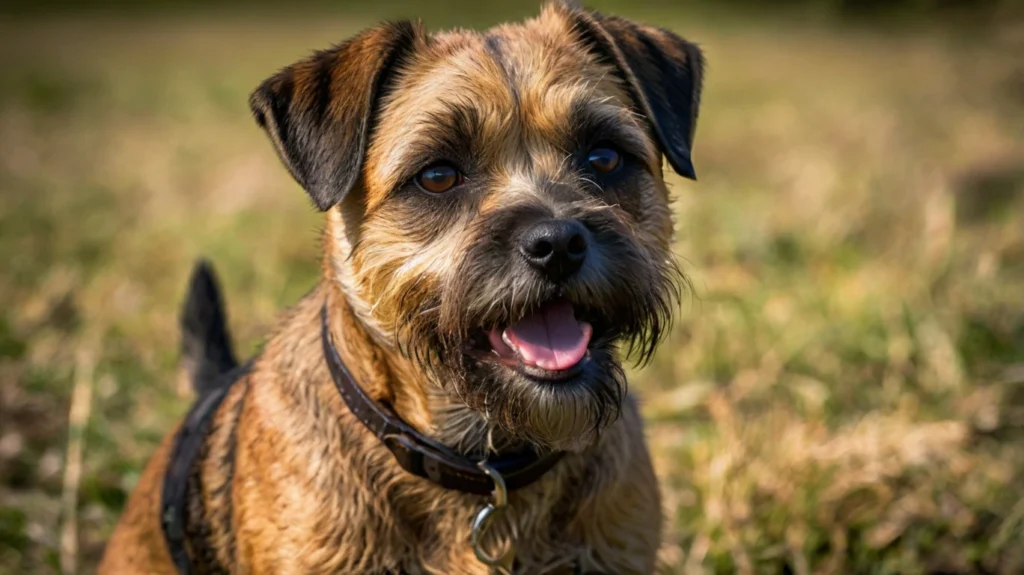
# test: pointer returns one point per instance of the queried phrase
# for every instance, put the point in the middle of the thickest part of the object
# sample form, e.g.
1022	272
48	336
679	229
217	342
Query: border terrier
451	397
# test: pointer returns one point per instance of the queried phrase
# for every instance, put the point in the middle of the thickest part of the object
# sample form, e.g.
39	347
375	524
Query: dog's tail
206	351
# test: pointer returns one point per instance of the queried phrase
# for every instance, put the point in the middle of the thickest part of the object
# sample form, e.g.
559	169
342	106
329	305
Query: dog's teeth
508	342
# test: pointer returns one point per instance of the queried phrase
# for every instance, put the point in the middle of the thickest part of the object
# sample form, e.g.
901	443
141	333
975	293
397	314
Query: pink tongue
550	339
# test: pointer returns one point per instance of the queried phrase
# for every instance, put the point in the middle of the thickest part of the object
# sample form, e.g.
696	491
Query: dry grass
844	393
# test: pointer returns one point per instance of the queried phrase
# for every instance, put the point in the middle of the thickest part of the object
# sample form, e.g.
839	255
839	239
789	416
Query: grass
844	392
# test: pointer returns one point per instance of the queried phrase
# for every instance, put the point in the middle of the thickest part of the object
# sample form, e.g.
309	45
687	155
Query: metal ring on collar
501	564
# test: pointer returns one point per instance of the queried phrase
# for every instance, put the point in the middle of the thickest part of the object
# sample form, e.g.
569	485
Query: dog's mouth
549	344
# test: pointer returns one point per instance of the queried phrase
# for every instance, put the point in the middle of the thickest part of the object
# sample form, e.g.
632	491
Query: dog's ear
318	112
662	71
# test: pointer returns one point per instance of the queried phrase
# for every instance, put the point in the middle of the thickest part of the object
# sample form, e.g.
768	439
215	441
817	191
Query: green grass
844	392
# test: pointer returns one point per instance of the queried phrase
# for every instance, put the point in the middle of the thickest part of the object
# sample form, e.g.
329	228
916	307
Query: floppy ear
662	71
318	112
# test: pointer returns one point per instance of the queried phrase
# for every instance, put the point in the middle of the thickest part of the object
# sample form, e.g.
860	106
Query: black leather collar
421	455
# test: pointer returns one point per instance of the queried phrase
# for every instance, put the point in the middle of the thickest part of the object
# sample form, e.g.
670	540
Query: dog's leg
623	530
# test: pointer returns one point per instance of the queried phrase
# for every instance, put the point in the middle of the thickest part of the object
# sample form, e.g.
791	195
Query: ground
843	390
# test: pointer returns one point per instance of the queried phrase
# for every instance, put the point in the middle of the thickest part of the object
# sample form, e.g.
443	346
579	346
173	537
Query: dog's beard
627	294
557	416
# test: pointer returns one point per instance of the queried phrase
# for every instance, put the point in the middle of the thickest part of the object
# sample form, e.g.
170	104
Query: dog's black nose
555	247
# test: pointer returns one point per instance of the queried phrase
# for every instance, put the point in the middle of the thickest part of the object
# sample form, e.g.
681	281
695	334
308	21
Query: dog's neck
389	377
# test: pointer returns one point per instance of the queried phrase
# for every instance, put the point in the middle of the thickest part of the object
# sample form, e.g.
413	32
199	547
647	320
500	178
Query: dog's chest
318	494
378	519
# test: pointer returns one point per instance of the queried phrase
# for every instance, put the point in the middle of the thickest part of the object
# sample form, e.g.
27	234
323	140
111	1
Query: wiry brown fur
289	481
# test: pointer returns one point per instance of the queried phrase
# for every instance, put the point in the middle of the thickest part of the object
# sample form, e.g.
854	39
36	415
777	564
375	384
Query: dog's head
499	212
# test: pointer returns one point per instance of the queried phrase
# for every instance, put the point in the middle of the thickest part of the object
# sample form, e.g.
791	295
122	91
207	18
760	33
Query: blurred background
842	393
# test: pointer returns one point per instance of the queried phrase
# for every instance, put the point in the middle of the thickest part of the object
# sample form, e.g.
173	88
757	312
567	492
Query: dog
450	398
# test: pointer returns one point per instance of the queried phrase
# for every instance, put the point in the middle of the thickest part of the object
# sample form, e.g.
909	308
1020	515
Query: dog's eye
438	178
603	160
